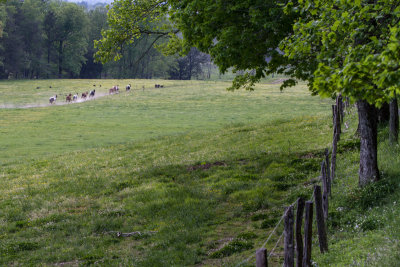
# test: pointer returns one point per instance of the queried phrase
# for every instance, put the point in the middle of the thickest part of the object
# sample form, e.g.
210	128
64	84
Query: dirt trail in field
60	102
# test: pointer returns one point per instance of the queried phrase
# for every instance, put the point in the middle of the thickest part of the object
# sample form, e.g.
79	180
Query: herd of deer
112	90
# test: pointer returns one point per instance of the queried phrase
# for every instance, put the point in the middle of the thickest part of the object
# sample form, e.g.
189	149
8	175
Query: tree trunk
394	121
369	143
384	114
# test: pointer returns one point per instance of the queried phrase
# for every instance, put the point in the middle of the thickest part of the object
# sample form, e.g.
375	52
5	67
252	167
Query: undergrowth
363	222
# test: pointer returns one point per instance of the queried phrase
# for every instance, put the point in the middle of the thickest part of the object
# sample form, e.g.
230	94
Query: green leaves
128	21
354	45
243	35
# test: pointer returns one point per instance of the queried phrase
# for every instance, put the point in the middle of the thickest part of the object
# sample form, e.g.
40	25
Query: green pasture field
131	117
203	174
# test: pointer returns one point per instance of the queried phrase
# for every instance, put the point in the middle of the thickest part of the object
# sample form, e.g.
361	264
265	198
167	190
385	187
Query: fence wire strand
276	226
269	237
276	244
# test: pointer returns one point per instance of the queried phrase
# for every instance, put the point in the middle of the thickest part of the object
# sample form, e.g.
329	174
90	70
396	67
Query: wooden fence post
338	114
308	234
328	171
325	189
325	204
340	108
333	161
261	258
323	175
299	238
334	118
323	242
288	233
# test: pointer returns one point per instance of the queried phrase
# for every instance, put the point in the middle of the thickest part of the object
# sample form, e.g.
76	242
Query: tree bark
394	121
384	114
369	171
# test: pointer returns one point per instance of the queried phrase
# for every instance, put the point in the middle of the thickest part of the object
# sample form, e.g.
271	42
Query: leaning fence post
261	258
308	234
299	238
323	242
288	233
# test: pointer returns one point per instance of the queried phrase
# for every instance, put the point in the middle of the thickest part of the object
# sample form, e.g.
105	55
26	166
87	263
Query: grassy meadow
201	175
132	117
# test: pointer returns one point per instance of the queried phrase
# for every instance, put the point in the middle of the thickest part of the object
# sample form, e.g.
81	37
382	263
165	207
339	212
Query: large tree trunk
369	143
394	121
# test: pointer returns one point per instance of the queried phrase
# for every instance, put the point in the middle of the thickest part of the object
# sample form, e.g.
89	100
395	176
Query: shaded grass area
363	222
67	208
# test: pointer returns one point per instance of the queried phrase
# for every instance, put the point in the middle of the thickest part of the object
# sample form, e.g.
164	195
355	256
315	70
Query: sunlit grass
195	168
136	116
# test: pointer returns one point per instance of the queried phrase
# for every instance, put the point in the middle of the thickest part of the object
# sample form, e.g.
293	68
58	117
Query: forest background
55	39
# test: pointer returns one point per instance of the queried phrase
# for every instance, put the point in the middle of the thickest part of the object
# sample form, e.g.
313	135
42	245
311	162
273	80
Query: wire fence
326	179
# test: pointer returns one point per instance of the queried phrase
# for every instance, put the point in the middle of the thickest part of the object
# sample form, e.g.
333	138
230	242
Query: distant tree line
54	39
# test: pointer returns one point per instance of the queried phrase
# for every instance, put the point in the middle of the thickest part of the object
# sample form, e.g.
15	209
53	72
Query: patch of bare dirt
59	102
206	166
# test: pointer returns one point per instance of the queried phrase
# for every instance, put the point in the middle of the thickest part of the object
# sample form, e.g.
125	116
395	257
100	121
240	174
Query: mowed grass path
132	117
203	173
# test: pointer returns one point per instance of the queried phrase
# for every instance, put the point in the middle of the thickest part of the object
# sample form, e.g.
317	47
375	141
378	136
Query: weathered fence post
339	103
261	258
299	238
334	118
288	233
328	171
336	121
308	234
323	242
325	204
325	189
333	161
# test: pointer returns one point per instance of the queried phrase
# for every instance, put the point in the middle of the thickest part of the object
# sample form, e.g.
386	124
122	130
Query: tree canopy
351	47
243	35
337	46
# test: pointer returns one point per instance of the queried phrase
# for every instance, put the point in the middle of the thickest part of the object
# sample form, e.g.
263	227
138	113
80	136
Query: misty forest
55	39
